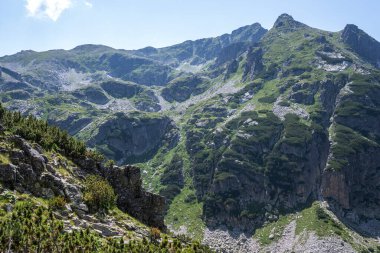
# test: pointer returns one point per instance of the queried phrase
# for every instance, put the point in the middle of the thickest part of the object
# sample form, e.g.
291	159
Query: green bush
170	191
190	198
295	132
109	163
268	99
155	235
321	214
284	103
57	203
98	194
347	143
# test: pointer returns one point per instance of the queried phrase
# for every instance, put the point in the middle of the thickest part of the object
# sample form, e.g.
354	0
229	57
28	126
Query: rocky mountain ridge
30	170
236	132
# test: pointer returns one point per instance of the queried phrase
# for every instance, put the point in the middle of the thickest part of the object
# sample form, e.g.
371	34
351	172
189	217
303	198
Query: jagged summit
351	27
248	33
285	16
362	44
287	21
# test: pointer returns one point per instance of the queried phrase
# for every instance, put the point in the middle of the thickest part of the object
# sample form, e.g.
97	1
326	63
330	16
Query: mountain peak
285	16
351	27
90	48
287	21
250	33
362	43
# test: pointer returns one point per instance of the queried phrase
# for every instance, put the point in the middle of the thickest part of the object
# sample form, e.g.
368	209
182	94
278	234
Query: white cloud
47	8
88	4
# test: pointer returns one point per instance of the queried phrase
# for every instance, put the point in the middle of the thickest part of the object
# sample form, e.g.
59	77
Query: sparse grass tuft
274	228
183	212
4	159
316	219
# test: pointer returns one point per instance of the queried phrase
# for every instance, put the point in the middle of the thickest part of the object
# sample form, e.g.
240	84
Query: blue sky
131	24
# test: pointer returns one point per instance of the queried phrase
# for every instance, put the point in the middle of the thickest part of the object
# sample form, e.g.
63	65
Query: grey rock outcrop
134	138
254	63
132	198
73	123
30	171
181	89
356	185
303	93
287	23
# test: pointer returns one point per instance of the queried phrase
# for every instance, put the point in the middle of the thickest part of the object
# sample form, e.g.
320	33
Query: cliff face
128	139
270	167
181	89
354	187
363	44
352	173
132	198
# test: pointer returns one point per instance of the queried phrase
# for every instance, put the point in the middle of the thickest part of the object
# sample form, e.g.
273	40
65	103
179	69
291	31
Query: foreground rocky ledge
30	170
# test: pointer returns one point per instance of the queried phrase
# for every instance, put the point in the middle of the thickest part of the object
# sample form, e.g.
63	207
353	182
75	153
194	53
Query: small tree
109	164
2	111
95	155
155	235
98	194
57	203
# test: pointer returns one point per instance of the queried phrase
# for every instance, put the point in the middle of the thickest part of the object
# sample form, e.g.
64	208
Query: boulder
104	229
8	173
37	160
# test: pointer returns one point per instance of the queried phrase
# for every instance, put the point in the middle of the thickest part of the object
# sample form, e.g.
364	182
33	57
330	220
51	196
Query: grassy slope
314	219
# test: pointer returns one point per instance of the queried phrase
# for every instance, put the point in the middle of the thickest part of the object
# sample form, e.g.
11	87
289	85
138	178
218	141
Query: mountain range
254	138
